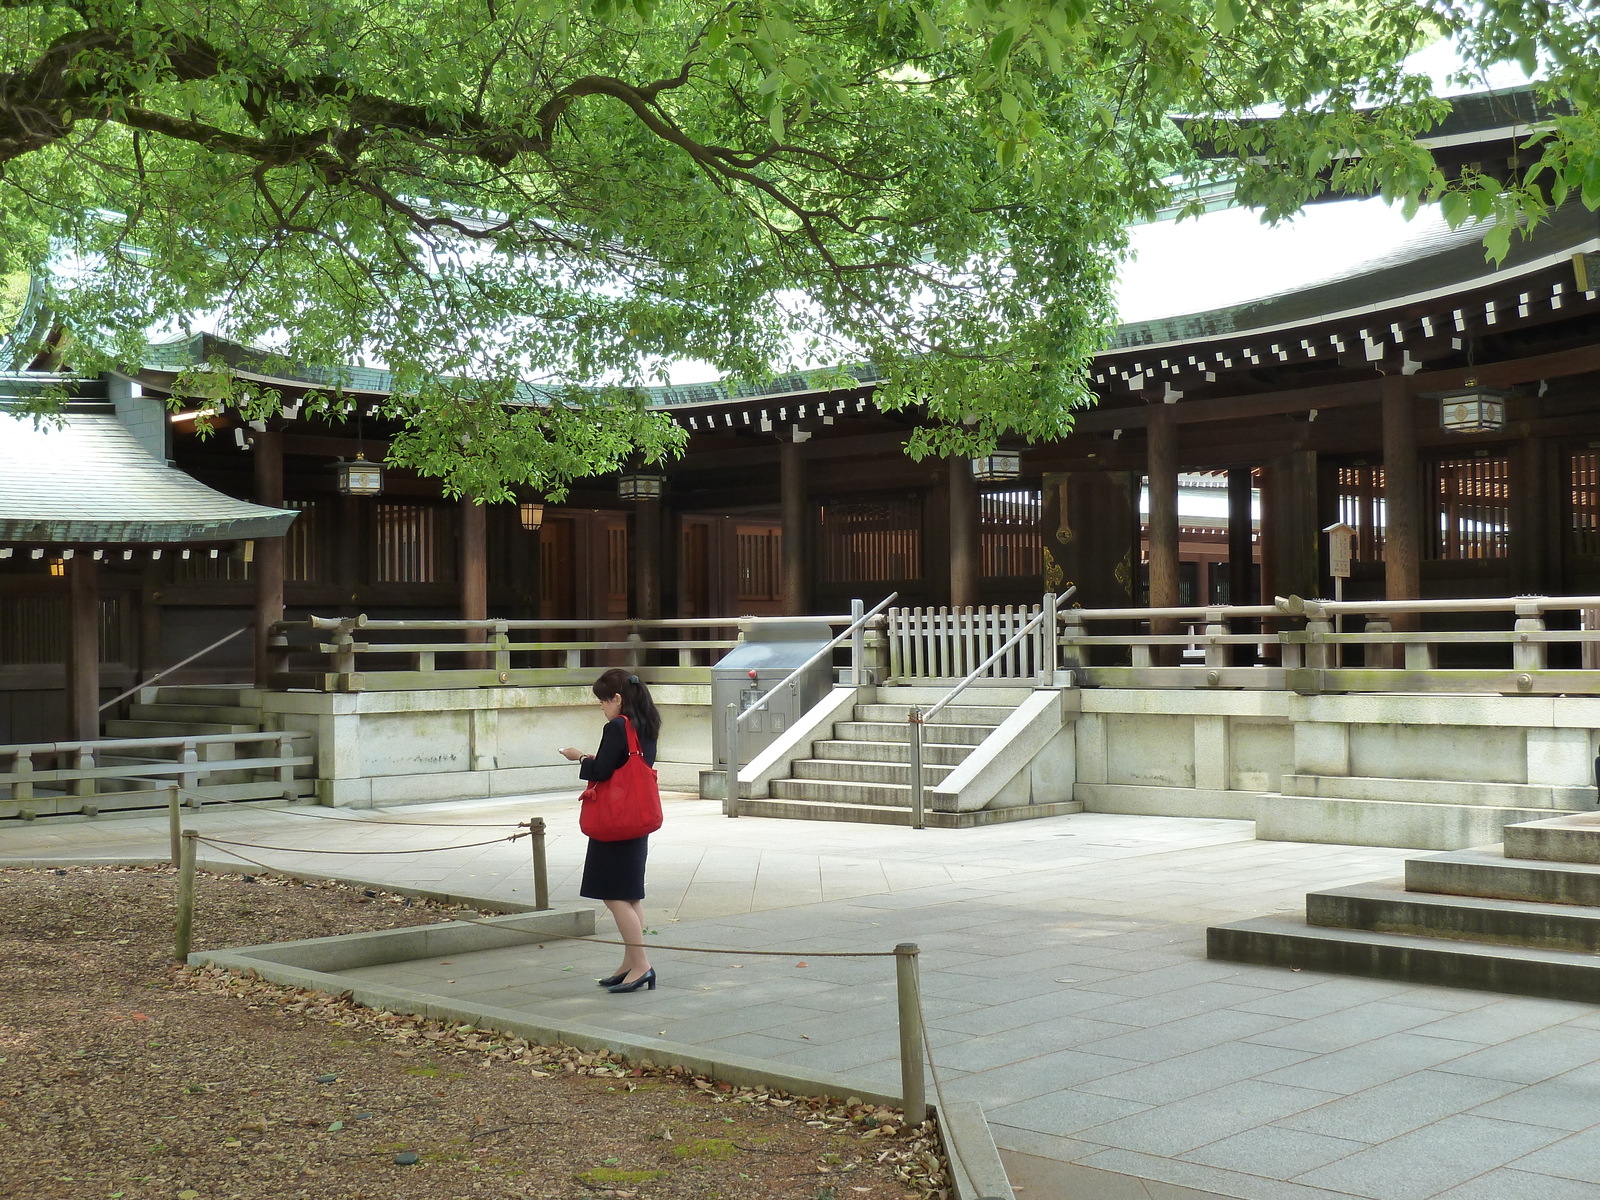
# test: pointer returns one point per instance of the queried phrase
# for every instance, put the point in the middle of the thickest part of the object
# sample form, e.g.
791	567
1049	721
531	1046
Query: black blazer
613	751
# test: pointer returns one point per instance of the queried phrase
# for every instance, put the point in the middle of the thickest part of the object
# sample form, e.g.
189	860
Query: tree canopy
573	192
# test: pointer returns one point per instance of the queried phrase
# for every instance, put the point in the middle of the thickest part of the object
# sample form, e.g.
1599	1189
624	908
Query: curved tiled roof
87	480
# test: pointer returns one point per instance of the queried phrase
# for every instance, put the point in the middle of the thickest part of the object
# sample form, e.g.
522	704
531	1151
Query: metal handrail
917	718
176	666
853	631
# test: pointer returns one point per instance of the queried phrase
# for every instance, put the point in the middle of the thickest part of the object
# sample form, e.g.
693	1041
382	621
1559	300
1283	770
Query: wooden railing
355	654
1307	646
91	777
947	643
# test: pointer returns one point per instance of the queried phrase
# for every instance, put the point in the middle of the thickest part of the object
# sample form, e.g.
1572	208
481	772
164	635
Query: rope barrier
295	812
310	850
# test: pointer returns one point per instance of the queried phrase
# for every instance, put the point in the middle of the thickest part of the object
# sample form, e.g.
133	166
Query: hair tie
633	679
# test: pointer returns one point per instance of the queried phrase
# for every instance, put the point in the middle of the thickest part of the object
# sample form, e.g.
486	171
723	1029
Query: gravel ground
124	1078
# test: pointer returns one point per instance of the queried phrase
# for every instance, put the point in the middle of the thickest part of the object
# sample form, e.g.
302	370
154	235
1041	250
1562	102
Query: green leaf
1453	206
1222	17
931	33
1000	47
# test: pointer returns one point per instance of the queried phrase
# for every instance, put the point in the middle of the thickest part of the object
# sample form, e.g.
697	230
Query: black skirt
615	870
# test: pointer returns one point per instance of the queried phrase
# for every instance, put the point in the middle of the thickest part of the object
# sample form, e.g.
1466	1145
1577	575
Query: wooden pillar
474	573
1296	535
792	487
267	565
83	647
966	557
646	544
1161	475
1241	545
1532	498
1402	488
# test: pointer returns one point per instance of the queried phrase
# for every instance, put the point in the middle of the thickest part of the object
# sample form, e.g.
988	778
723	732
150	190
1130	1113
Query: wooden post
83	648
541	871
1402	487
646	544
966	554
267	562
908	994
474	566
184	927
792	488
175	824
1161	469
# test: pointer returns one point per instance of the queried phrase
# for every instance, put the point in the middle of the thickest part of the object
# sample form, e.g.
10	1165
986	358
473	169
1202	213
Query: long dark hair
636	703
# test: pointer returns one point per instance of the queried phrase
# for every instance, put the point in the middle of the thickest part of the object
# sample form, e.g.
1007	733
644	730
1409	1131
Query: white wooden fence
947	643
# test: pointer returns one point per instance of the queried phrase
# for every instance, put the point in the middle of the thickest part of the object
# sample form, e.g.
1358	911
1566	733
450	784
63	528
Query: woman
614	871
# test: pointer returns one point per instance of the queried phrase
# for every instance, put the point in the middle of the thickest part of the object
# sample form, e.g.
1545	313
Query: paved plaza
1064	978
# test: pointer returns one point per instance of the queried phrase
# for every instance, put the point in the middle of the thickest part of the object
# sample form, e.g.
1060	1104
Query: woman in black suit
614	871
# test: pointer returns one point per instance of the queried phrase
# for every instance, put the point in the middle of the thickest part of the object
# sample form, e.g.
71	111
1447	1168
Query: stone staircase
863	772
1522	917
184	710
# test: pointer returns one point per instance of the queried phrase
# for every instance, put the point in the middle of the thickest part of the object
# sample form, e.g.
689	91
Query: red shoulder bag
628	805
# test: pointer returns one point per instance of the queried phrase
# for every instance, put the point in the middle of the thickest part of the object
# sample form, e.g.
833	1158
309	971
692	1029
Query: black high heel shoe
612	980
647	980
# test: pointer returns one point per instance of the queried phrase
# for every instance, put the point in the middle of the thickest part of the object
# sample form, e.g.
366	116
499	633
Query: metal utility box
770	650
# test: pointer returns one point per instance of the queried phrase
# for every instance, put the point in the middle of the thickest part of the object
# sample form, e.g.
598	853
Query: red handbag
626	806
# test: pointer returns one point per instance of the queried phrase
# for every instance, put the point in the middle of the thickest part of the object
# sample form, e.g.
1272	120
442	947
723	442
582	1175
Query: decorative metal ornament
531	515
640	486
1473	409
358	477
997	467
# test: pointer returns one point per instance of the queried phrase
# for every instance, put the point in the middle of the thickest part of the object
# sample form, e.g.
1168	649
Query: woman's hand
571	753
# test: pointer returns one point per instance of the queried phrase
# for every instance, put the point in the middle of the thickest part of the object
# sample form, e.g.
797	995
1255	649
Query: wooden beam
792	488
83	647
267	562
1402	487
966	567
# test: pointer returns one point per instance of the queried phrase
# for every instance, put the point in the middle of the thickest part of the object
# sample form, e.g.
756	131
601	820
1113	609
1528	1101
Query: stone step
844	771
949	735
1487	873
956	714
167	729
889	795
234	695
1391	909
1283	941
807	810
212	713
933	753
1432	791
1422	826
1572	838
1004	695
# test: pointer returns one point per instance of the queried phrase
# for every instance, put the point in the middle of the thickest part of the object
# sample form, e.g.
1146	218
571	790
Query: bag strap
633	737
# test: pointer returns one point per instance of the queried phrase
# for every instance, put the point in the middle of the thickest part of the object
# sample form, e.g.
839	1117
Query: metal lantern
358	477
998	466
639	486
531	514
1473	409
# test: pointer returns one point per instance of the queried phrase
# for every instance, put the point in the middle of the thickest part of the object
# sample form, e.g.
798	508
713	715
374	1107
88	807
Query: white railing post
914	729
1527	655
858	643
731	795
1047	642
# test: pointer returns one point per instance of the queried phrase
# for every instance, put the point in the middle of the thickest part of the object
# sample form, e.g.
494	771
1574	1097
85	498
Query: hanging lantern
997	466
640	486
358	477
1473	409
531	515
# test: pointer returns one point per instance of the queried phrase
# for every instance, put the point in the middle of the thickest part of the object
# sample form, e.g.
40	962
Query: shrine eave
85	480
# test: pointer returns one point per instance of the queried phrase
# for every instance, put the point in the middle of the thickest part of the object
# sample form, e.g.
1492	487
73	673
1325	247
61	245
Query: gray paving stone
1062	1113
1273	1152
1191	1074
1532	1057
1172	1129
1053	1072
1348	1027
1429	1160
994	1050
1570	1102
1184	1036
1208	1181
1324	997
1173	1006
1050	1006
1575	1157
1397	1107
1503	1018
1508	1183
1367	1064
